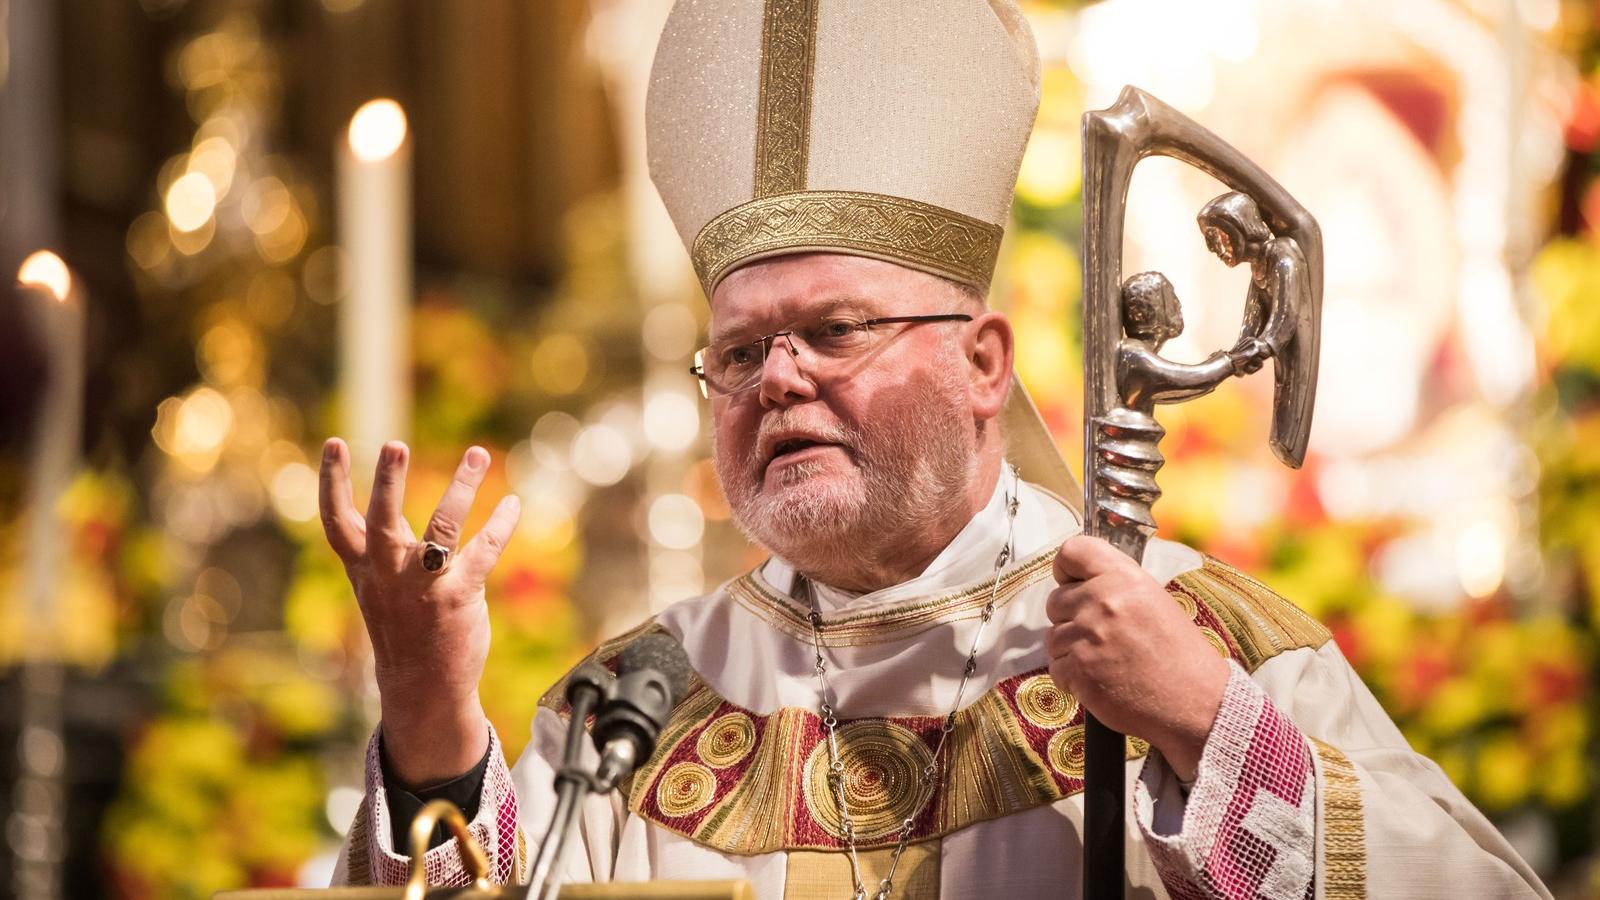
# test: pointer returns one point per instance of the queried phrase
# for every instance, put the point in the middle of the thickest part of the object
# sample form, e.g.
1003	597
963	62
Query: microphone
652	676
587	689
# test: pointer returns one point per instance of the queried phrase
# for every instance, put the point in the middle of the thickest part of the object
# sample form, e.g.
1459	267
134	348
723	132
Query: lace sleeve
1248	825
370	857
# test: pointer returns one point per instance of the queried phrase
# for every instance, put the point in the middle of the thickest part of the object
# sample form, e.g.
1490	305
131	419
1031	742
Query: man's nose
783	383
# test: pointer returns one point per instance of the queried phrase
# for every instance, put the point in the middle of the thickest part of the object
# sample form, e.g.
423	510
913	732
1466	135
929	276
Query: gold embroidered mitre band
891	129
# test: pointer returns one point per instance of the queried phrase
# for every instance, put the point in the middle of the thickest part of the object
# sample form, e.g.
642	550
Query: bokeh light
675	521
601	455
191	201
671	419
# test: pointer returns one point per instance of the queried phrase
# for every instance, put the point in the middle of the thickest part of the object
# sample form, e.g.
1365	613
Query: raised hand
1129	654
429	629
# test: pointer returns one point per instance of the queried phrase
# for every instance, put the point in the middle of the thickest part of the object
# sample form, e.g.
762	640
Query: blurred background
223	252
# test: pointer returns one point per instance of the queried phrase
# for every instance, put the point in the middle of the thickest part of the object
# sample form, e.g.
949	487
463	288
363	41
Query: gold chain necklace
933	771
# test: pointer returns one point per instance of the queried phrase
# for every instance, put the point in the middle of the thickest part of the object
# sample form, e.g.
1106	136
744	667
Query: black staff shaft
1104	771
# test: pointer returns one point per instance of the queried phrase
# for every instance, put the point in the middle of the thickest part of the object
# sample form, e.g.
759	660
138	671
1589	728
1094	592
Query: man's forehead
813	283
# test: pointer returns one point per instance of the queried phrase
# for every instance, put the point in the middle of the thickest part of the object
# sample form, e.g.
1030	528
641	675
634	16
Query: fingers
1065	602
477	559
1069	647
448	517
386	528
343	525
1083	557
1058	640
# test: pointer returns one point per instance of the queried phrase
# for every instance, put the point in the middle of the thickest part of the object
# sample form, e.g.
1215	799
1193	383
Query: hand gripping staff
1124	324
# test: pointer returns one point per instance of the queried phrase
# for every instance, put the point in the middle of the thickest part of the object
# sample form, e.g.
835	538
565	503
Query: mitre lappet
892	129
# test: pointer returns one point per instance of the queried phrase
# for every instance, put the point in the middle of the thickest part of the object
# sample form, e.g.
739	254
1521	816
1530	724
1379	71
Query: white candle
58	317
374	174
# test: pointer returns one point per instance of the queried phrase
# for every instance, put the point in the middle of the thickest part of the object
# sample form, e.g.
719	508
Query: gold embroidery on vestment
1344	840
1067	751
894	228
783	116
903	621
727	740
1260	622
1045	704
815	875
1216	641
521	872
1005	755
686	788
882	767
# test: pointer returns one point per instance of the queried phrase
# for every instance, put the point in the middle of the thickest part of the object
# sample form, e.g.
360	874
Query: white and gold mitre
884	128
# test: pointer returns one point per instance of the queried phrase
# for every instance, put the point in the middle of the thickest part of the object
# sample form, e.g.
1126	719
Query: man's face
818	454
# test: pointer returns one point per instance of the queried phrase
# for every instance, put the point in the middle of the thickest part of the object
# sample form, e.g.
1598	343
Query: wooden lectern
477	864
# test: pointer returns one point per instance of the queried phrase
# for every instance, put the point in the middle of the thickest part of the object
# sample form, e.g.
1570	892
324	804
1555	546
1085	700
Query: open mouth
794	445
798	449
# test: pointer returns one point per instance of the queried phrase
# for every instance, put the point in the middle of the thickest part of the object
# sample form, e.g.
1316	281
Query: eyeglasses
731	367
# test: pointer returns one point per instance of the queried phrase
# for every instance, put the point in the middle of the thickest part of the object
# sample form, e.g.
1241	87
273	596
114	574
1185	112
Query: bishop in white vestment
840	172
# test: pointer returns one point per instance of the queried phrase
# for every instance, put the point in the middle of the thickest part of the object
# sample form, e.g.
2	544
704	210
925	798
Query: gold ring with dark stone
435	556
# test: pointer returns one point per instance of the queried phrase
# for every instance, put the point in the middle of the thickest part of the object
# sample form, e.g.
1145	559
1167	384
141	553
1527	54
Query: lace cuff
1248	827
373	858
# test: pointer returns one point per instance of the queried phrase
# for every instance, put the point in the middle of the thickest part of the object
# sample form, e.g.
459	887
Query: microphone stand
588	686
633	706
636	706
619	759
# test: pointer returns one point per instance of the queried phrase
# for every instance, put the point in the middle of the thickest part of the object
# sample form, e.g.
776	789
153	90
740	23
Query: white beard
911	471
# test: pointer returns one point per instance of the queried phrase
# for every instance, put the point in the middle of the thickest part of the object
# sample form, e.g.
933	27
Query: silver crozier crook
1125	322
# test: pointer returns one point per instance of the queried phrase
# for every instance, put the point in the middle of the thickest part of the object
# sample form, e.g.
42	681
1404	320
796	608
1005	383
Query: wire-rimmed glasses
734	366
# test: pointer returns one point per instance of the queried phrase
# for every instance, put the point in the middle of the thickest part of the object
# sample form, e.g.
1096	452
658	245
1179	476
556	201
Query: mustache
832	432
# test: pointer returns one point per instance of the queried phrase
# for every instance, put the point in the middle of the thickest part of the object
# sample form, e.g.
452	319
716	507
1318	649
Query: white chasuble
1305	789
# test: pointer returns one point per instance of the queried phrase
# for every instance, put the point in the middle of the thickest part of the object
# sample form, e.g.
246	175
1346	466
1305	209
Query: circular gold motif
1185	601
1216	641
726	740
1045	704
685	788
1066	751
883	765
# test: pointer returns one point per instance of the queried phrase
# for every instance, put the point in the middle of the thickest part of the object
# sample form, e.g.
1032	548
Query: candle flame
377	130
44	269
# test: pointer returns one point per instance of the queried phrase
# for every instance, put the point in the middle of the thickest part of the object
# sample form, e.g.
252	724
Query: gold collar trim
883	626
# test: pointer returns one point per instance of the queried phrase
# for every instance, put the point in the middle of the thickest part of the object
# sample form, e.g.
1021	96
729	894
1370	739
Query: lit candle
374	173
58	315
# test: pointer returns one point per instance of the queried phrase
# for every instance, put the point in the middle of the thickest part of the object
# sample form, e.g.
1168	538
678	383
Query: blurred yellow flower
1384	626
1455	707
1504	772
1564	779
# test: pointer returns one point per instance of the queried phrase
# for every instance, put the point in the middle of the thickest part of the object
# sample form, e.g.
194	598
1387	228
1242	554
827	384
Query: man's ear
989	348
